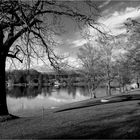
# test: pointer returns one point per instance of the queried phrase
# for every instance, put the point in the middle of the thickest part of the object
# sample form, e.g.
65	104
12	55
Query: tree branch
53	60
11	40
15	56
72	14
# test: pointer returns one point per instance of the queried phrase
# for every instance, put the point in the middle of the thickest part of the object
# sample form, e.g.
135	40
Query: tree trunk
138	85
3	103
109	88
94	94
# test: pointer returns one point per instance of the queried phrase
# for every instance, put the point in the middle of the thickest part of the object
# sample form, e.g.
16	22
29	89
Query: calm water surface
32	101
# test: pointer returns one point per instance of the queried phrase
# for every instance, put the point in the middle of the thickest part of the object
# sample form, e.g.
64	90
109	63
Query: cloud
79	42
73	62
105	3
116	20
130	9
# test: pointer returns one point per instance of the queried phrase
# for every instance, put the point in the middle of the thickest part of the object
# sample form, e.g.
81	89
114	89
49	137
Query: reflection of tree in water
84	91
72	91
32	92
29	92
46	91
69	90
59	90
16	92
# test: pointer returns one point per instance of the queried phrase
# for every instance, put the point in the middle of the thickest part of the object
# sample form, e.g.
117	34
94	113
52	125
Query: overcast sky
113	15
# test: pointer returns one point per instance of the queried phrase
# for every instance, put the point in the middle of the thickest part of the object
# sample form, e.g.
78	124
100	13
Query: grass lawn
86	120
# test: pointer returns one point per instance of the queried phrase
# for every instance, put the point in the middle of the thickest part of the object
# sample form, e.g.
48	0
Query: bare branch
15	55
53	60
73	14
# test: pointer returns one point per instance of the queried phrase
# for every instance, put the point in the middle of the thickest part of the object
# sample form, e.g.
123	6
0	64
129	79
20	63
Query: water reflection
31	99
32	92
28	92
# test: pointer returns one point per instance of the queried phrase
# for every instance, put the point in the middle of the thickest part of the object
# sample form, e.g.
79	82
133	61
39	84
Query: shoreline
71	105
107	120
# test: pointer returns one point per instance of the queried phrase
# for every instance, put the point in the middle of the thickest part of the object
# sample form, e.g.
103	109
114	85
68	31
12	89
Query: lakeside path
84	119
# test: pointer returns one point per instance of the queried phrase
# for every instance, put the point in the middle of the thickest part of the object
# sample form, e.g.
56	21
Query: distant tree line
33	77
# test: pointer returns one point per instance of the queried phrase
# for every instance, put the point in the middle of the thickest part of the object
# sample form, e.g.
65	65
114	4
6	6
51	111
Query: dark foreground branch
15	56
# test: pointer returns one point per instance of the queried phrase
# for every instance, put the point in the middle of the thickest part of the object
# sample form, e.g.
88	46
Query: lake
32	101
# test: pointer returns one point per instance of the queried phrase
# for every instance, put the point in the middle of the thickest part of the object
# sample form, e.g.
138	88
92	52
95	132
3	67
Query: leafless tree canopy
25	26
29	29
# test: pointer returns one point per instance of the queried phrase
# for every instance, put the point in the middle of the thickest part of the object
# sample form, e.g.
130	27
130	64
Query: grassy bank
113	120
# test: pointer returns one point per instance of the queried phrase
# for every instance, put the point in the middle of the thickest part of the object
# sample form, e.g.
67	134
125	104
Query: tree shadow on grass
122	98
128	129
118	125
8	117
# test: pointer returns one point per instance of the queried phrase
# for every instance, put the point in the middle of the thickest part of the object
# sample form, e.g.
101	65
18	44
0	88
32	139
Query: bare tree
28	29
133	47
91	70
124	74
106	46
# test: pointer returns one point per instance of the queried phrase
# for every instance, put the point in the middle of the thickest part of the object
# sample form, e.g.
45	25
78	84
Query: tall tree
133	57
106	46
124	73
91	67
26	26
133	43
